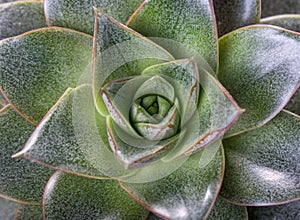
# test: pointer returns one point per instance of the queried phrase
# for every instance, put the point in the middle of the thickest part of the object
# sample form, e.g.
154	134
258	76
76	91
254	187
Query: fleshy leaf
285	211
78	15
187	193
76	146
84	198
132	152
233	14
290	21
294	103
216	113
20	179
225	210
184	76
182	21
36	68
262	165
21	16
3	101
120	52
262	61
7	209
277	7
33	212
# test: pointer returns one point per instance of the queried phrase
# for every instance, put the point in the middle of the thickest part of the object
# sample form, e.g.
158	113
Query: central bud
154	112
149	109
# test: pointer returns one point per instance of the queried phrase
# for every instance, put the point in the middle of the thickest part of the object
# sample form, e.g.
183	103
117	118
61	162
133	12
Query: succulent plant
152	109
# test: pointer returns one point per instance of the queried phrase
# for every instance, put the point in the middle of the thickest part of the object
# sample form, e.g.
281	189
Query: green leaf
3	101
21	16
182	21
78	15
84	198
216	113
231	14
76	146
262	61
33	212
120	52
290	21
151	216
277	7
285	211
135	152
184	76
294	103
20	179
225	210
262	165
187	193
47	62
7	209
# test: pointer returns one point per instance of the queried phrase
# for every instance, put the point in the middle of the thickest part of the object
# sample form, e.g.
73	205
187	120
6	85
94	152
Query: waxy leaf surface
19	17
262	61
36	68
182	21
277	7
8	209
262	165
84	198
225	210
33	212
285	211
290	21
187	193
78	15
20	180
233	14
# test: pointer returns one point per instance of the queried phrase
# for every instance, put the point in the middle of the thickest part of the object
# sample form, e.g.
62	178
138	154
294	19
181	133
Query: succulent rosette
132	109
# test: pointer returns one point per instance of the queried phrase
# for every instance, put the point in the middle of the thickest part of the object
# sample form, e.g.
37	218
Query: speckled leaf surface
233	14
34	84
262	166
84	198
3	101
70	129
294	103
277	7
187	193
7	209
20	179
183	21
120	52
19	17
290	21
78	15
225	210
288	211
32	212
263	63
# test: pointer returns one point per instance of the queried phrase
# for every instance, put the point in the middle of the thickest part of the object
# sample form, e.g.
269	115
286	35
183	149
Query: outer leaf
67	138
225	210
120	52
291	21
78	14
262	61
20	179
21	16
7	209
188	193
262	166
36	68
231	14
217	112
182	21
294	103
83	198
3	101
33	212
286	211
277	7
